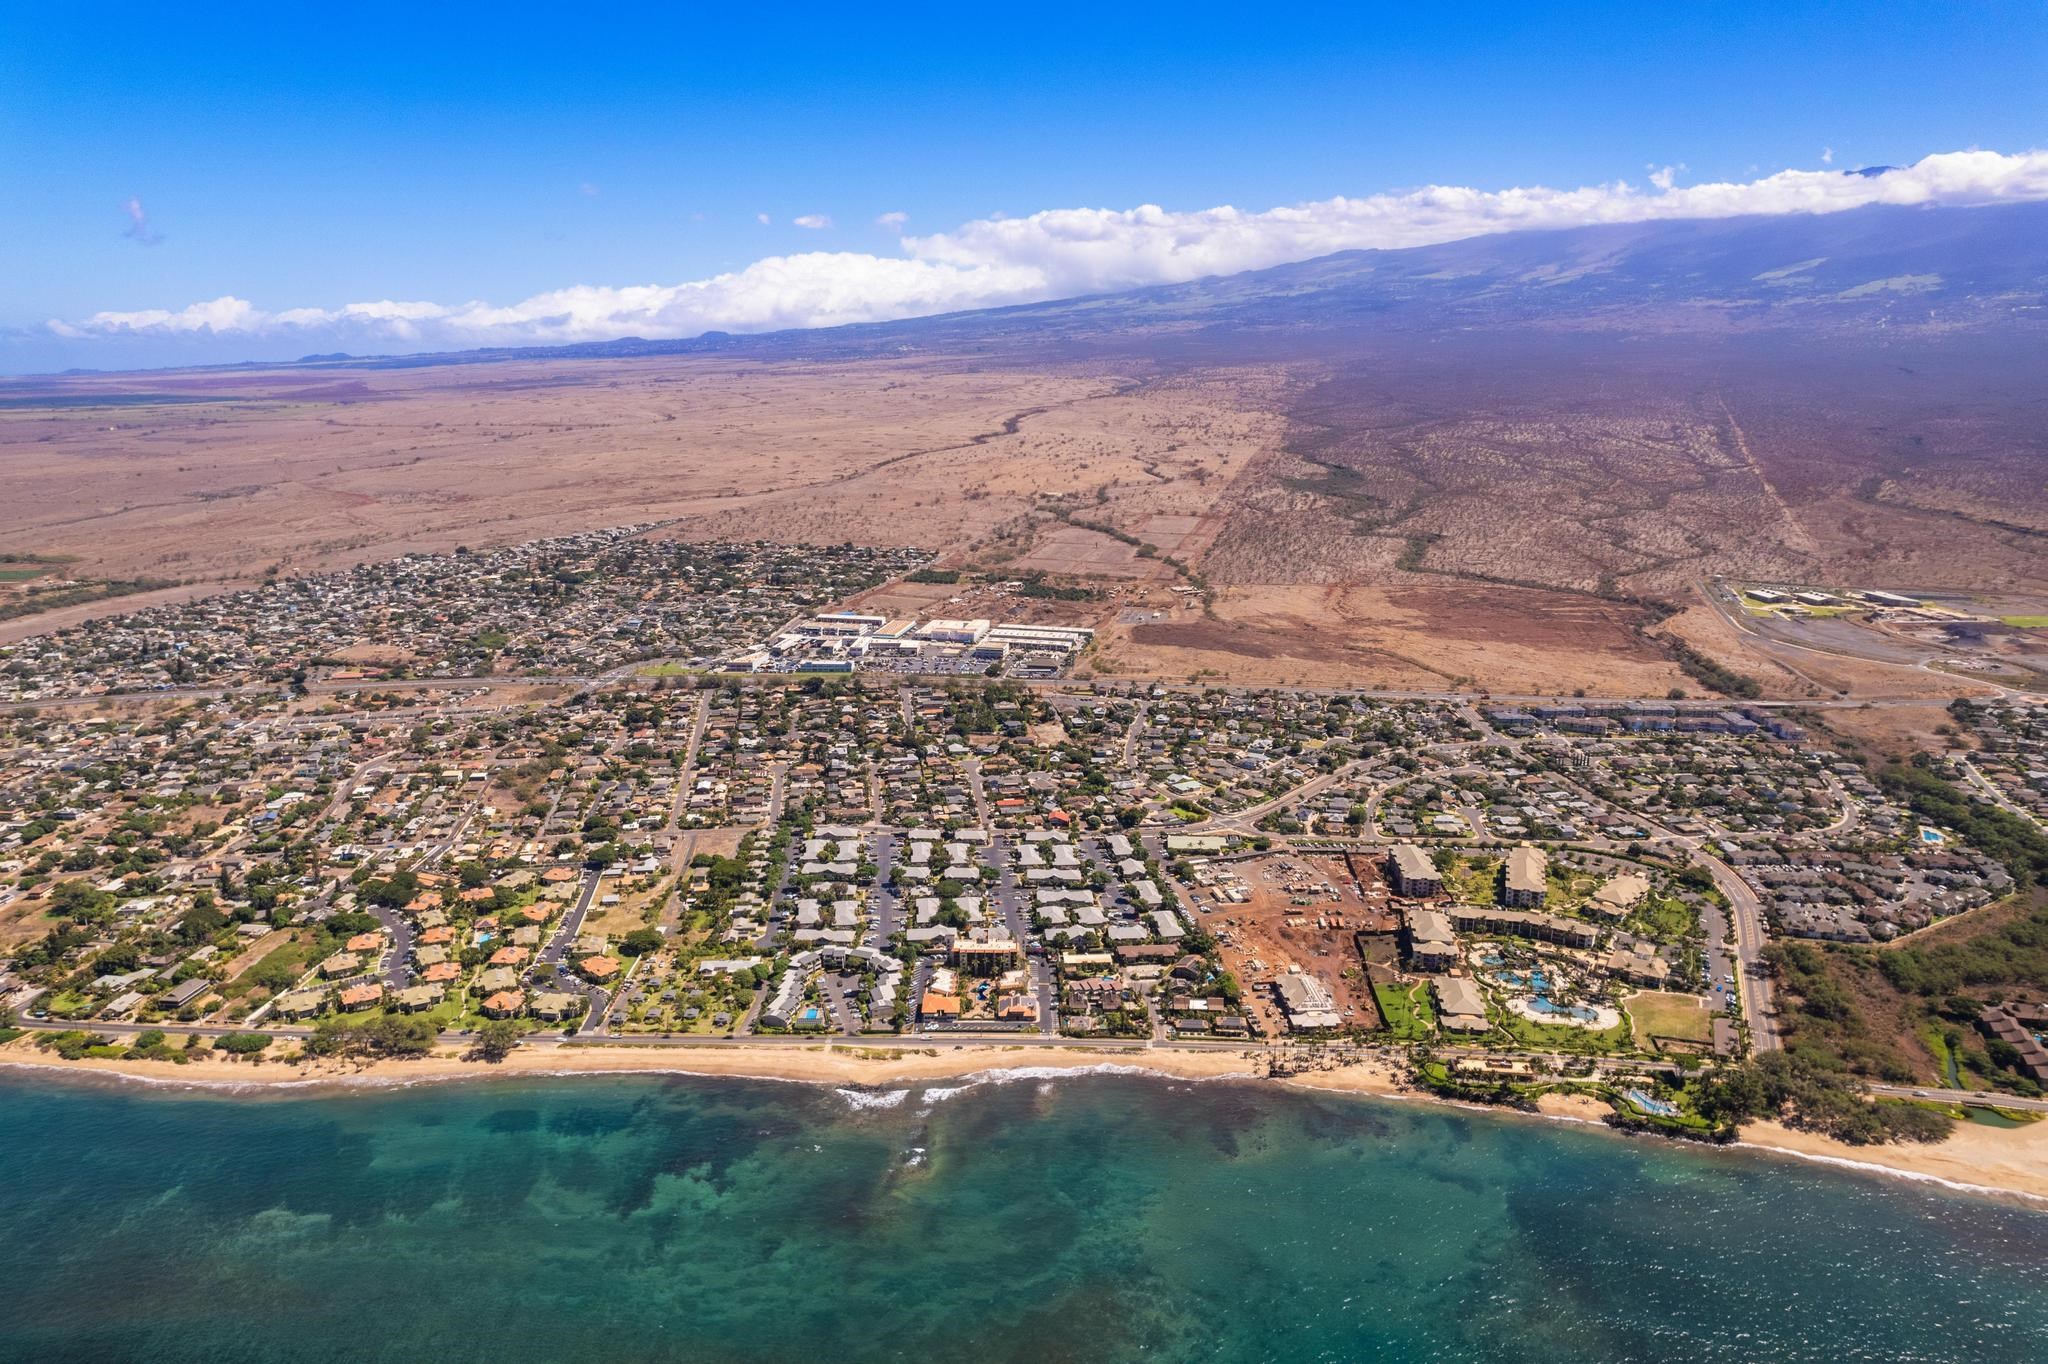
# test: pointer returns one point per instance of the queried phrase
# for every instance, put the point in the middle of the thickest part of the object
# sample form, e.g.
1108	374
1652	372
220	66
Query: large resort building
1460	1004
1413	873
1431	944
1527	881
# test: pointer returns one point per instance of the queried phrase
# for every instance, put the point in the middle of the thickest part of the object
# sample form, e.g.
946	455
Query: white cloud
889	222
1062	252
1827	156
138	230
224	314
1664	177
588	189
763	219
816	222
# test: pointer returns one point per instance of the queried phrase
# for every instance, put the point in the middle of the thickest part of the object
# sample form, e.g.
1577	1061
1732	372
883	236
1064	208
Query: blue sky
307	158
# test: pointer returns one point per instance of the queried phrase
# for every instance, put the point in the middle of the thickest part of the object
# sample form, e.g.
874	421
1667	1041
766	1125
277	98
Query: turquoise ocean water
1094	1218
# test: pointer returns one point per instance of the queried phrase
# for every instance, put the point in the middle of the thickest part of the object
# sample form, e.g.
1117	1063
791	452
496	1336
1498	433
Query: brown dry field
314	472
1422	636
22	922
1352	527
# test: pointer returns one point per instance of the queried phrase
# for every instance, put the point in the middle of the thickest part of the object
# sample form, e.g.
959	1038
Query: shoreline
2008	1163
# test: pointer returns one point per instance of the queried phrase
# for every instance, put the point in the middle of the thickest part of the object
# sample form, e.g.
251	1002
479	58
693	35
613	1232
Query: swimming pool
1551	1008
1932	836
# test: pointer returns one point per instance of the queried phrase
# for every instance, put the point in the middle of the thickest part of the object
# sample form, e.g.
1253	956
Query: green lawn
1474	883
297	956
1563	1036
1661	1014
1664	920
1409	1014
2025	622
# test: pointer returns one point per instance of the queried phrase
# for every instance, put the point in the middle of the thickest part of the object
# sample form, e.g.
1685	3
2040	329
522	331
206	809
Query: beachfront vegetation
496	1039
1903	1012
1806	1094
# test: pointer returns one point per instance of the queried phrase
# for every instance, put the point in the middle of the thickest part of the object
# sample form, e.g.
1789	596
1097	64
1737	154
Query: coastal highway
1752	975
1967	1098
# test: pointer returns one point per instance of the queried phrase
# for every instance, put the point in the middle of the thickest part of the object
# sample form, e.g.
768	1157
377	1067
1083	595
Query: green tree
495	1040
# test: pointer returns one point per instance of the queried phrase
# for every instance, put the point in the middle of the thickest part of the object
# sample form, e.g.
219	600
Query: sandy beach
2007	1159
1974	1157
820	1064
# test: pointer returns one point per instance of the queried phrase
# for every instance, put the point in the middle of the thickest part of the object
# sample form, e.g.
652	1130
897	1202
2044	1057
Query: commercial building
839	625
1043	638
186	992
954	631
1308	1003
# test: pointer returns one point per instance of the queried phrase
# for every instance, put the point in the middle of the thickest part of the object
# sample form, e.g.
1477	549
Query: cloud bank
1063	252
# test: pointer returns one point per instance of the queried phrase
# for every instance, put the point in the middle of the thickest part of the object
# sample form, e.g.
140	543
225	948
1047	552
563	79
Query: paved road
558	946
1252	814
1967	1097
972	767
1752	976
1129	757
1998	797
392	968
1064	685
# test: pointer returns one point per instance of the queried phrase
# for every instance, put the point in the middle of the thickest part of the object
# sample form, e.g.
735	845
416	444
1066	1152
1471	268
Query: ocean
1090	1218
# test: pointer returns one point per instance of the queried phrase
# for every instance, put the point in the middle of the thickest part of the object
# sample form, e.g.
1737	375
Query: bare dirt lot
1420	636
1300	911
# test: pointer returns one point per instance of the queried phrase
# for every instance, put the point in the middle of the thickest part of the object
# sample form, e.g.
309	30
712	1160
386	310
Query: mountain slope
1949	267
